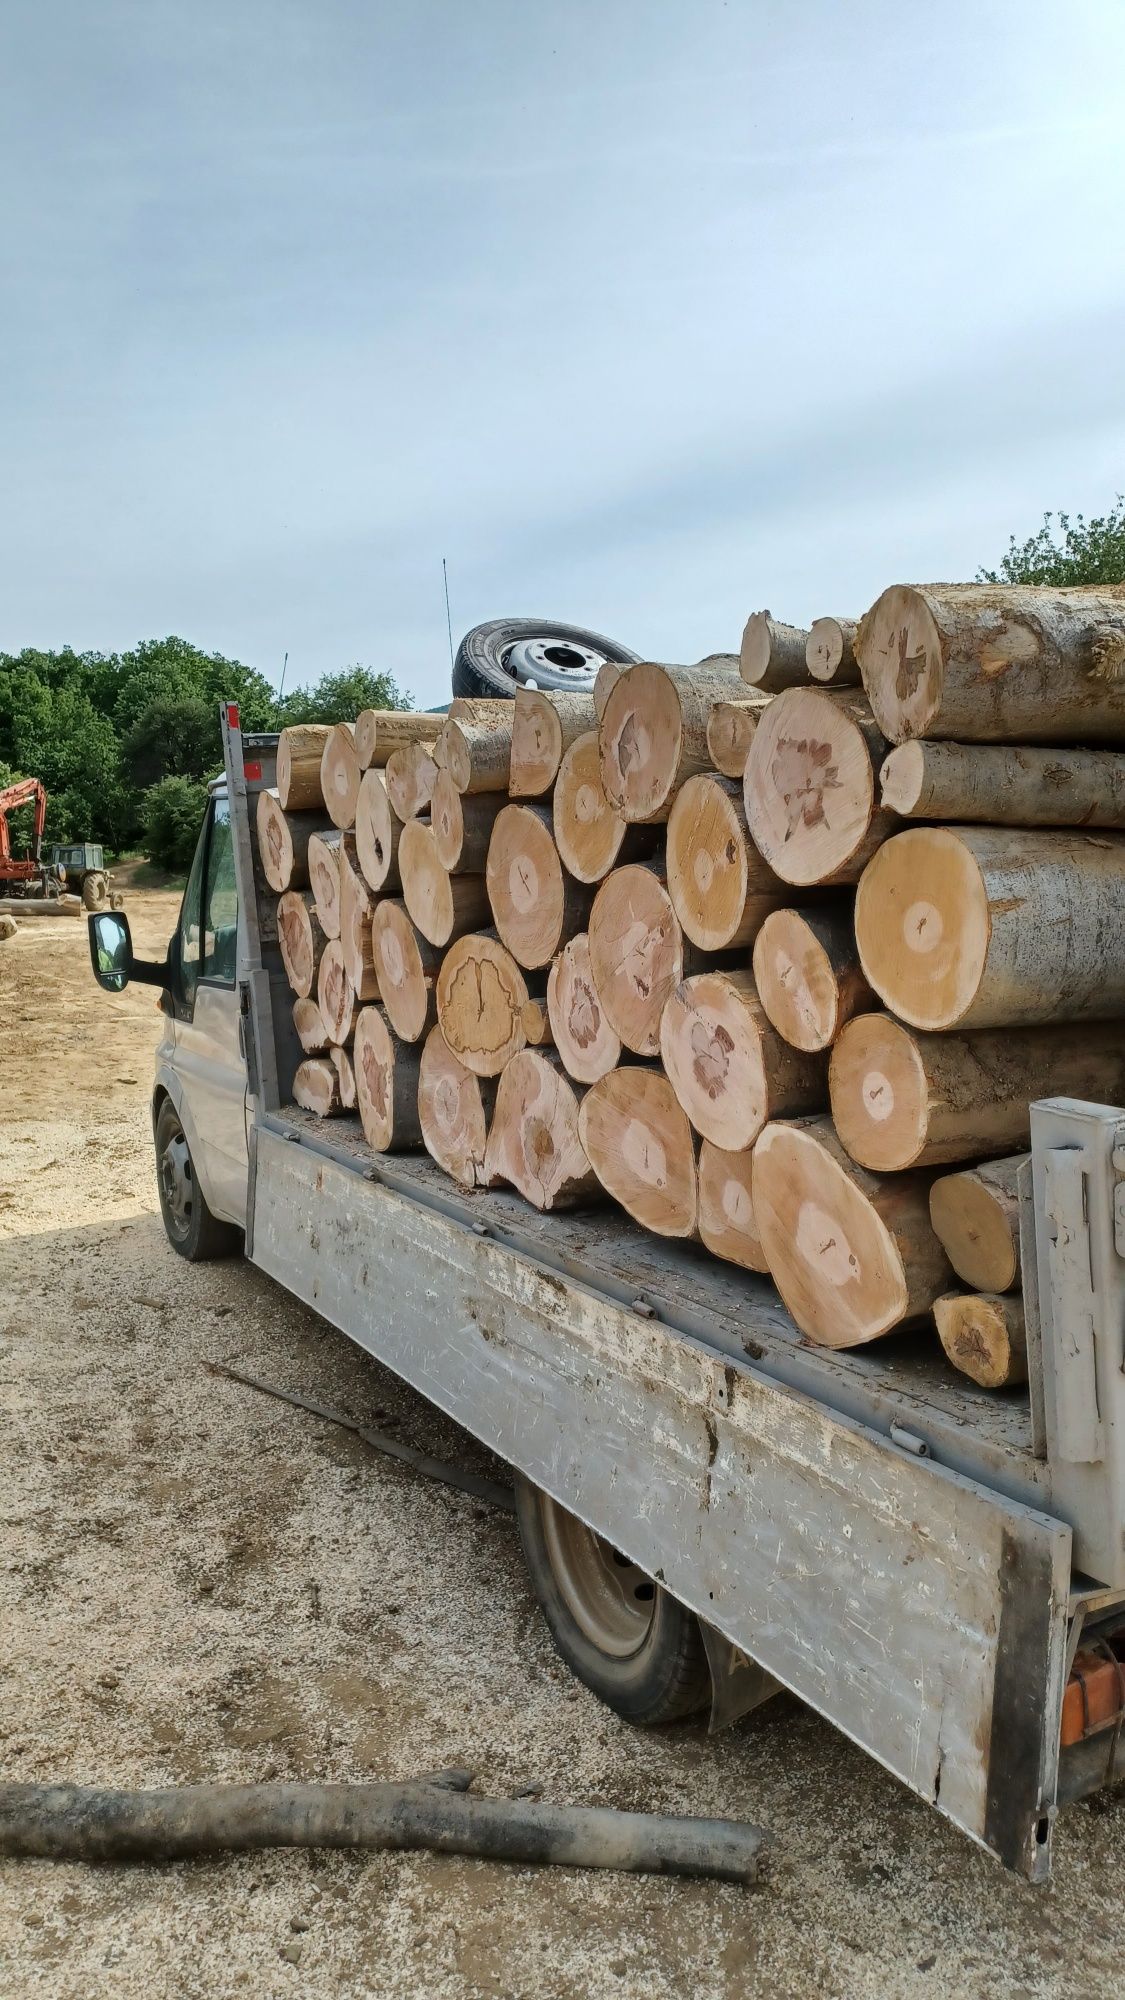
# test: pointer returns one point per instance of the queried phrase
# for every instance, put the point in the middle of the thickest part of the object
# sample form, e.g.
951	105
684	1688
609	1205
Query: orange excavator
31	876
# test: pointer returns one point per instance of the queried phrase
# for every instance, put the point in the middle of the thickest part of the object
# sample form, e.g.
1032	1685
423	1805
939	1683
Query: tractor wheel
94	892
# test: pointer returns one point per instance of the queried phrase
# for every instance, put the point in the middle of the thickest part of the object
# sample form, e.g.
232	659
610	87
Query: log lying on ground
340	774
981	663
642	1148
410	776
1000	785
324	862
377	830
283	843
726	1207
976	1217
729	1068
454	1110
407	966
852	1254
730	732
316	1087
536	906
809	786
591	837
356	906
653	733
386	1082
481	997
830	652
585	1041
381	731
903	1099
636	953
301	938
477	755
808	975
543	727
986	926
772	655
462	825
299	752
342	1063
311	1031
443	906
721	888
335	994
533	1142
609	673
984	1337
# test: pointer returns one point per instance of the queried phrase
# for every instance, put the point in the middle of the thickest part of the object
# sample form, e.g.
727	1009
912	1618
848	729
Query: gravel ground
197	1582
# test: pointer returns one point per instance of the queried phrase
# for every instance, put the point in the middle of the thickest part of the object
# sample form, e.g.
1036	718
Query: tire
94	892
648	1663
189	1225
484	666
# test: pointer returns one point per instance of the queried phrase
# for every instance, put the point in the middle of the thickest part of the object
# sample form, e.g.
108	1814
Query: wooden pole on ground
642	1148
976	1215
808	975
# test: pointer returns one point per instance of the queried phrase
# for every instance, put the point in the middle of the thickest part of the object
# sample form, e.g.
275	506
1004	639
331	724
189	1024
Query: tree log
984	1337
481	995
976	1215
772	655
533	1141
300	936
730	732
809	786
381	731
356	906
299	752
386	1081
721	888
410	776
462	825
636	953
608	675
478	755
335	994
584	1039
729	1068
536	906
454	1111
327	853
653	733
830	652
642	1148
988	927
543	727
1003	786
726	1207
443	906
536	1021
980	663
407	967
377	830
311	1031
283	843
340	775
851	1253
316	1087
342	1064
904	1099
591	837
808	975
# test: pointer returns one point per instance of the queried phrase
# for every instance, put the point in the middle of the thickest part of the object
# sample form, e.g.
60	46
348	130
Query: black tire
189	1225
664	1677
94	892
481	665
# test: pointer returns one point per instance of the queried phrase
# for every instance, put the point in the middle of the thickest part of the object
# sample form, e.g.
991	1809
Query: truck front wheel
191	1228
632	1644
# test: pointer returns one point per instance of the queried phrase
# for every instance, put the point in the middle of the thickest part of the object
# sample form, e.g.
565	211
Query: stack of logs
760	948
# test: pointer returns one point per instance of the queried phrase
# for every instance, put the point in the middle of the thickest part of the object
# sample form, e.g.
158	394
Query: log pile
774	952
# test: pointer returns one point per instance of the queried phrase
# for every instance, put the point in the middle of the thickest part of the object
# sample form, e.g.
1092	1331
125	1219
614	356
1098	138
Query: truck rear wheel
630	1642
190	1227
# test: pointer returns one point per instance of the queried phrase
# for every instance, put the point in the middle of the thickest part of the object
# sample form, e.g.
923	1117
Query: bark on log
730	732
342	1063
653	733
462	825
976	1216
853	1254
808	975
340	775
608	675
981	663
478	755
636	953
1000	785
316	1087
642	1148
301	939
585	1041
987	927
377	830
443	906
407	966
283	843
729	1068
326	857
481	995
311	1031
533	1141
772	655
386	1081
299	751
721	888
830	652
335	994
726	1207
543	727
904	1099
984	1337
410	776
454	1110
536	906
591	837
809	786
381	731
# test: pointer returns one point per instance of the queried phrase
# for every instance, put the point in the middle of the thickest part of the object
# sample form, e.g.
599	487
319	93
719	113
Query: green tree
173	814
340	697
176	736
1076	551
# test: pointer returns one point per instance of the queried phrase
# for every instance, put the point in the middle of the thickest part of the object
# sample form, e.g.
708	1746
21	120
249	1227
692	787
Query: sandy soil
198	1582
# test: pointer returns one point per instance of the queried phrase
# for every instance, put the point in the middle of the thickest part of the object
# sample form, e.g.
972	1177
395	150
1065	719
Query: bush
173	814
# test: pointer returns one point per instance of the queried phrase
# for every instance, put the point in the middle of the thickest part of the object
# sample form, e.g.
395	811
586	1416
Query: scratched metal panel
921	1613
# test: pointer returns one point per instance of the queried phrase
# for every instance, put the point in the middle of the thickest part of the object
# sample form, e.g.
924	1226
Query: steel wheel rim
612	1602
177	1184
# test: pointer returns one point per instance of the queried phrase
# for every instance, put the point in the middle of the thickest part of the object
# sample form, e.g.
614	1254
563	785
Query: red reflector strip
232	714
251	768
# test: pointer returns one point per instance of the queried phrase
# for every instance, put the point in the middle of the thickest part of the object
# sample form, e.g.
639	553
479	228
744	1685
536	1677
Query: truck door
208	1062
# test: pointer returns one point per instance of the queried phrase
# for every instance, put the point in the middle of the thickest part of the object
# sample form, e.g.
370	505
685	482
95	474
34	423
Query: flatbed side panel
920	1612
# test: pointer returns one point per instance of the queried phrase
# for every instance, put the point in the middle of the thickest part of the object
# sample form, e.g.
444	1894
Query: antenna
281	687
448	620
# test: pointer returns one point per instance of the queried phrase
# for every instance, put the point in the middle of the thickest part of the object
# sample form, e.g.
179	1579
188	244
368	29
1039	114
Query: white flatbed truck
711	1506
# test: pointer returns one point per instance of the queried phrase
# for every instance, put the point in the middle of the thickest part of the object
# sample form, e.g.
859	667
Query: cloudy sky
643	314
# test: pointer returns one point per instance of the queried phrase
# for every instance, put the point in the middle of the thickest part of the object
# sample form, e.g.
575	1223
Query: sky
643	315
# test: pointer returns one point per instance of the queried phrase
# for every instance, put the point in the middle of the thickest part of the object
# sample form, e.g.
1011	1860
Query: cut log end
301	940
730	732
386	1078
442	905
335	994
410	775
534	1143
377	830
720	887
809	786
808	975
727	1226
583	1036
730	1070
923	926
900	655
984	1337
772	655
534	906
589	832
830	651
454	1110
311	1031
975	1214
636	954
406	966
481	995
641	1147
340	775
299	753
316	1087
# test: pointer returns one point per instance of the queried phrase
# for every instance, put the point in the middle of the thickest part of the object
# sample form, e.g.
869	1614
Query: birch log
772	655
726	1207
377	830
301	939
642	1148
283	843
443	906
299	752
340	775
407	966
1000	785
653	733
729	1068
409	777
536	906
830	652
543	727
590	835
311	1031
481	996
721	888
533	1141
984	1337
335	994
462	825
586	1043
809	786
386	1081
316	1087
636	953
976	1216
808	975
454	1111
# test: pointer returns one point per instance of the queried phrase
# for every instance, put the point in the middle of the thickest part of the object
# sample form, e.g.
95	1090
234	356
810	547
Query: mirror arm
150	972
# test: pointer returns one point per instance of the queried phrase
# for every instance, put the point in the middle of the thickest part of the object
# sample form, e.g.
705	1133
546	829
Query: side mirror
111	950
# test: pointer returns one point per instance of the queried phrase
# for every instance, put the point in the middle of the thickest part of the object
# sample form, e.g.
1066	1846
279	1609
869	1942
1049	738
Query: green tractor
82	866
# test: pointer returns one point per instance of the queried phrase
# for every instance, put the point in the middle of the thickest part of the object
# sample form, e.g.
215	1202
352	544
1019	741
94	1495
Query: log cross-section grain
590	835
311	1031
729	1068
407	966
410	776
335	994
386	1081
984	1336
340	775
808	975
481	996
377	830
316	1087
1005	785
462	824
454	1110
326	853
636	953
853	1254
585	1041
642	1148
609	673
988	926
653	732
543	727
772	656
536	906
356	905
283	843
299	752
533	1142
830	652
726	1207
443	906
342	1063
720	886
300	936
976	1215
810	786
477	755
730	732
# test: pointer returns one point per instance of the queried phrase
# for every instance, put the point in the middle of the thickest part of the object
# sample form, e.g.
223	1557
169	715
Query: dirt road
198	1582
